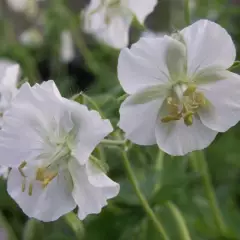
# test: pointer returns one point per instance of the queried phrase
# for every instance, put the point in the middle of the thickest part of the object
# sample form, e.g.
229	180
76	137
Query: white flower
31	37
29	7
181	94
9	74
47	140
67	52
110	20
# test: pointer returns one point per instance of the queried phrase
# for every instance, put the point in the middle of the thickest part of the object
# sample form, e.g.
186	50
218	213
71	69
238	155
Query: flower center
48	169
183	103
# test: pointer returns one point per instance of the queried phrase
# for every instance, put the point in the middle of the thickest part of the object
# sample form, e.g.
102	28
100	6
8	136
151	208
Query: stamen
188	118
186	106
170	118
30	189
20	168
190	90
23	184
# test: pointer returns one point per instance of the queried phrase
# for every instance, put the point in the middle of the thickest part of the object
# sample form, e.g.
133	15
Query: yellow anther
170	118
188	119
30	189
24	185
190	90
20	168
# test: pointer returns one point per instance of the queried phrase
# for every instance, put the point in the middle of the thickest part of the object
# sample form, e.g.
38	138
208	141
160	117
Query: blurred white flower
31	37
181	94
110	20
67	52
29	7
47	140
9	75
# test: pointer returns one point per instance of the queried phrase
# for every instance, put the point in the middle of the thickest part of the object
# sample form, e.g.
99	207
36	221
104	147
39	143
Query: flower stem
183	230
200	165
142	198
6	226
187	12
76	225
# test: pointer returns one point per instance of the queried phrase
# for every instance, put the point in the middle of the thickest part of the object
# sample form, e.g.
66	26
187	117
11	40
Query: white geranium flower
47	140
110	20
181	94
9	74
30	7
67	52
31	37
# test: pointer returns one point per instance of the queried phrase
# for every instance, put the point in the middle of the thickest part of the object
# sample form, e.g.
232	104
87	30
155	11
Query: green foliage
162	179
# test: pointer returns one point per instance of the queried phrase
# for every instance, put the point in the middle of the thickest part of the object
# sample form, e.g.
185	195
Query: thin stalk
200	165
182	226
76	225
142	198
187	12
5	225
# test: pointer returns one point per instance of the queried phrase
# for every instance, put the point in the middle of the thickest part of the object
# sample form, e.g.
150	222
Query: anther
30	189
188	119
20	168
170	118
23	185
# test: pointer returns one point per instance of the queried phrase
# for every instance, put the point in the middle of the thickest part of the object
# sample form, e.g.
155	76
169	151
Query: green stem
183	230
113	142
200	165
142	198
76	225
187	12
5	225
33	229
159	160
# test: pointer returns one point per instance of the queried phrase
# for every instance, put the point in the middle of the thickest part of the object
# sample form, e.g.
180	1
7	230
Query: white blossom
31	37
9	75
181	93
67	52
30	7
47	140
110	20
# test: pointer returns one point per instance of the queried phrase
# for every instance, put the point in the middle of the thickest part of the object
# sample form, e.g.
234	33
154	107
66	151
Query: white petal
11	76
223	111
27	124
90	130
92	191
138	118
147	63
175	138
208	45
116	33
67	52
141	8
45	204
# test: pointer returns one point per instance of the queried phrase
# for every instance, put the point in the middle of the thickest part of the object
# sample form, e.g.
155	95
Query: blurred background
48	42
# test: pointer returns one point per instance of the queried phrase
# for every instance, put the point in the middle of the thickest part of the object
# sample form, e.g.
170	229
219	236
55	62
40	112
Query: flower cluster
110	20
181	94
